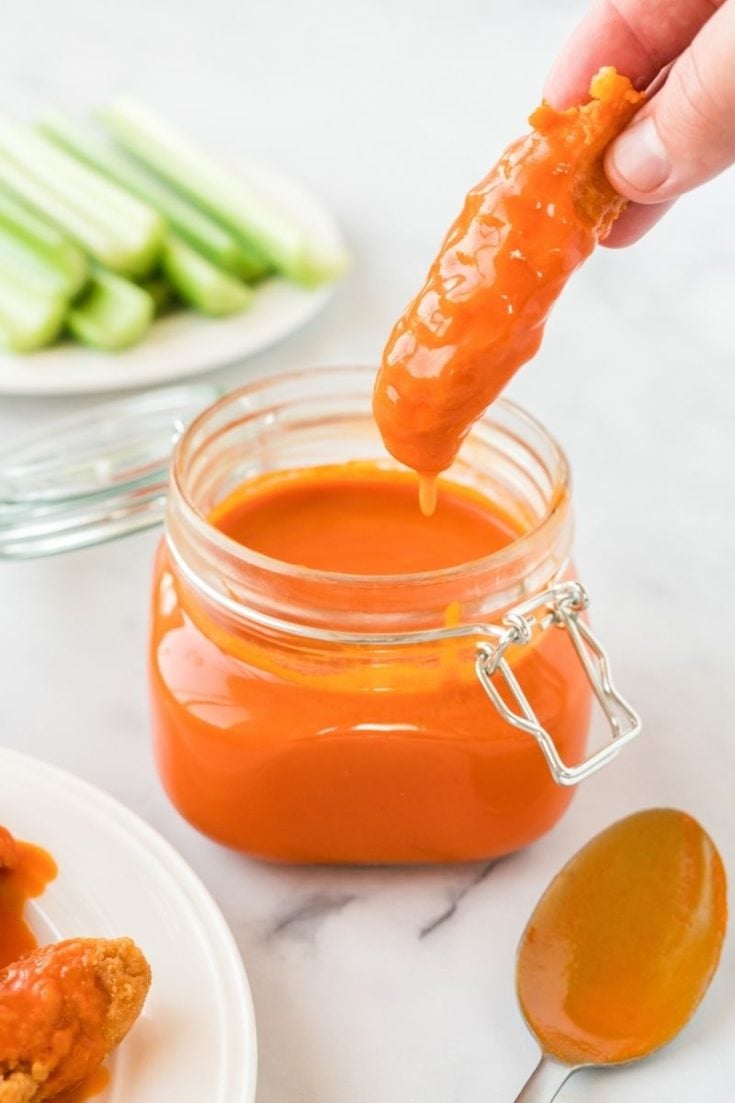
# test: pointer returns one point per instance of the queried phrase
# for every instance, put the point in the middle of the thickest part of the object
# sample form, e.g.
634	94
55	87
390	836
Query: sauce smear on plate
25	870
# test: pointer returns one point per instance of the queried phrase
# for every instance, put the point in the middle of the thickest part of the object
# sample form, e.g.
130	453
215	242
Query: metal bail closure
559	607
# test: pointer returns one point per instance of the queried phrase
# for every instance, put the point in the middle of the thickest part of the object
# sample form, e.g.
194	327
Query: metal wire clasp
559	606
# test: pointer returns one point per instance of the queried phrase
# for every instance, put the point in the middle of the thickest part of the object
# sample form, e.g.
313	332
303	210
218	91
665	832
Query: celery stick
31	268
223	194
45	241
202	232
255	265
117	229
111	314
161	292
30	318
66	175
199	283
20	262
24	187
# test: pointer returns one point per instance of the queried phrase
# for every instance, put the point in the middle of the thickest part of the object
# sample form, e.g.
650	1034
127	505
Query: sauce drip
481	313
623	944
361	518
27	877
428	494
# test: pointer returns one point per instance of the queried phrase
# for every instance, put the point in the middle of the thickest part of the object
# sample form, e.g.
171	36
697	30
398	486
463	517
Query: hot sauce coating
481	313
89	1088
623	944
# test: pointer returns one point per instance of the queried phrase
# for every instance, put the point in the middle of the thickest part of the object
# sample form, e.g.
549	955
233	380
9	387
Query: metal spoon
621	947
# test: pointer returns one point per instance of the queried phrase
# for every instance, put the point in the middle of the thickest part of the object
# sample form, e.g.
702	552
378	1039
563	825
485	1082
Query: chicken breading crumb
19	1087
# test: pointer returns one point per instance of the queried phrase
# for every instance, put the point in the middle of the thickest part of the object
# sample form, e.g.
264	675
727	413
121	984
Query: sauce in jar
319	746
361	518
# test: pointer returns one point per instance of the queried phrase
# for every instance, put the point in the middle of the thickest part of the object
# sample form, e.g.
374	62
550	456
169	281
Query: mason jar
316	716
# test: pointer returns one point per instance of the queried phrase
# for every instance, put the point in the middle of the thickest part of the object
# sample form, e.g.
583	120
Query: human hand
685	134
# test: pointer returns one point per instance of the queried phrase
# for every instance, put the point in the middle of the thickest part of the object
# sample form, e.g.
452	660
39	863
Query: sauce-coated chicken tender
63	1009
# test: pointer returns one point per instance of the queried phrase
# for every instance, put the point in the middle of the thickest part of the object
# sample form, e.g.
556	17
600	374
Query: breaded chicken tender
63	1009
481	313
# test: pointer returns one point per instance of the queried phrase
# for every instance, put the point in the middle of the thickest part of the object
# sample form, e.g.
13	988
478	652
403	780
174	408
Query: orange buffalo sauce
625	941
94	1085
360	518
296	749
25	876
481	313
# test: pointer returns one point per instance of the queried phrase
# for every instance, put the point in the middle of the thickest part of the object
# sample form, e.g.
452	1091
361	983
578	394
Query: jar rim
248	557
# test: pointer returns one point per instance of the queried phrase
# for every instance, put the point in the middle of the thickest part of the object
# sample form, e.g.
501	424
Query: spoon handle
544	1083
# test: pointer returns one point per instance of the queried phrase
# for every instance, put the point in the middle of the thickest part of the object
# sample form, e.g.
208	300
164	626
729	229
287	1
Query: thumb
686	134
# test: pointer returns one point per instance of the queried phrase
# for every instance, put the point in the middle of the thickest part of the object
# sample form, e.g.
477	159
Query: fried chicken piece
480	315
8	850
63	1008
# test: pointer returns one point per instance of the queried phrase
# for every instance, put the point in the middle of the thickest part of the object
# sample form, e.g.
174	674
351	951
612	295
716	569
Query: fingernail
640	158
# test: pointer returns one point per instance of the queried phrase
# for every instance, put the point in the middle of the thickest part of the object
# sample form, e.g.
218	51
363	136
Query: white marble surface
396	987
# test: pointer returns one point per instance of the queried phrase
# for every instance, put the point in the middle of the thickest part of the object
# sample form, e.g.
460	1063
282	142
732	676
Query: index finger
637	37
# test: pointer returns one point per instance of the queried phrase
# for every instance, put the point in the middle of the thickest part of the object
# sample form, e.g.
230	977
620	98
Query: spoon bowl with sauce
622	946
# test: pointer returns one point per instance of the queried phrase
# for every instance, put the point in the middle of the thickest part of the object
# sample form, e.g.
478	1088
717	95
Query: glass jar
310	716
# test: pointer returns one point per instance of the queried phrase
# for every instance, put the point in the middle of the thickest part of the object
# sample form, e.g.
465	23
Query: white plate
186	343
196	1037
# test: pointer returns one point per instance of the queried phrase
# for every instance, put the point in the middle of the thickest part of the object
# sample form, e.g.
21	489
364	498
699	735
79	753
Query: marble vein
304	921
456	898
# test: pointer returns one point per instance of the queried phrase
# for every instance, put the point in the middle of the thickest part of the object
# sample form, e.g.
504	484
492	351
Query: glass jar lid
94	476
